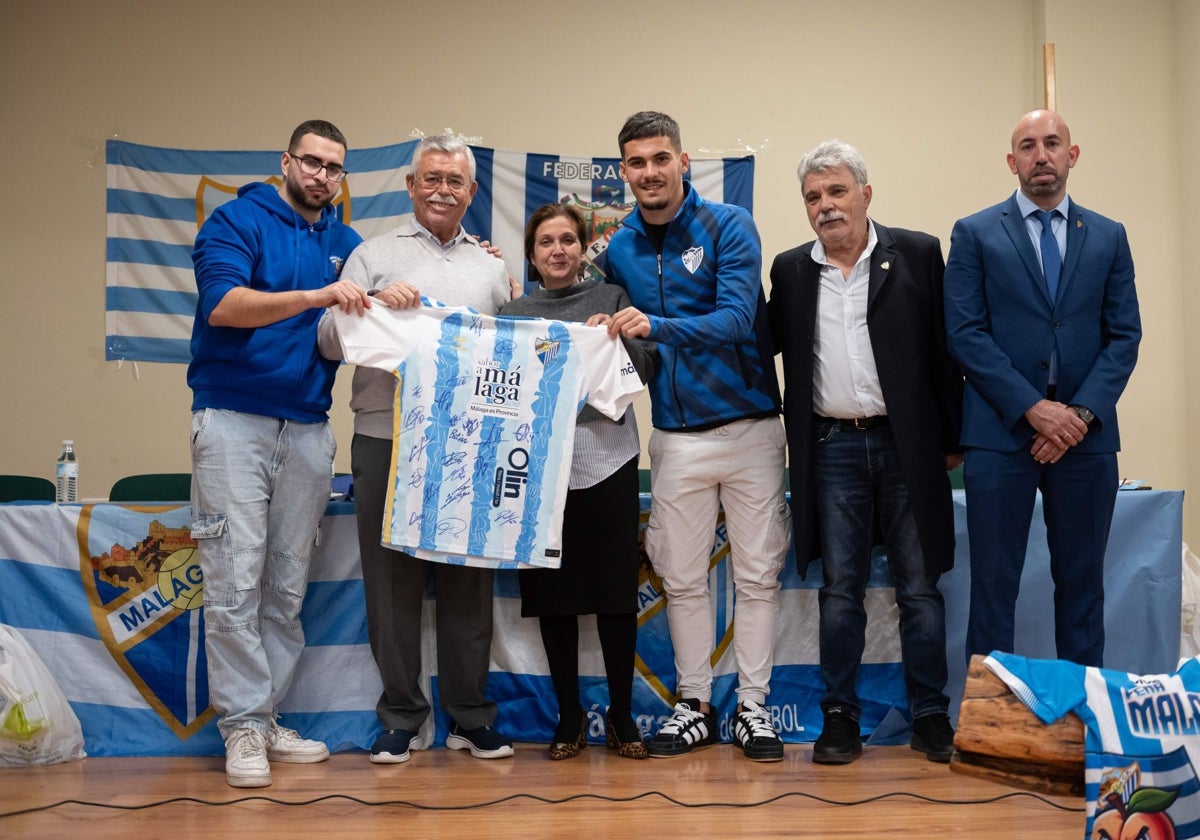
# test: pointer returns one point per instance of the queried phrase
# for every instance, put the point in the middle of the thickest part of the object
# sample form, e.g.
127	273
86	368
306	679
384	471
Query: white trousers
738	466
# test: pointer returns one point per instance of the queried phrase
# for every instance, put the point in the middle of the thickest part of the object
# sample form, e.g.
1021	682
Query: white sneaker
246	759
286	745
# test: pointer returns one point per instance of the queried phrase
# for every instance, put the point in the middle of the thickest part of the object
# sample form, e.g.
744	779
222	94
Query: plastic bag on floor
1189	620
37	724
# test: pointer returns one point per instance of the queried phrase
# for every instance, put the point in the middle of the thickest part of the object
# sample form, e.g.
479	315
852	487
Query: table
108	596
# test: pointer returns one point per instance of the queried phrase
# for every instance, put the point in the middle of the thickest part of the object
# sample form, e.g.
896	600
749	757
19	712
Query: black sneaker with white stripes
754	730
686	729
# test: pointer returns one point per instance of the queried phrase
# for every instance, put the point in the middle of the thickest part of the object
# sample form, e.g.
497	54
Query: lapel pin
885	266
1079	223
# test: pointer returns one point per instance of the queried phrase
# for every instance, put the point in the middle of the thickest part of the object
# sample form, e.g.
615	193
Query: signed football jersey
484	426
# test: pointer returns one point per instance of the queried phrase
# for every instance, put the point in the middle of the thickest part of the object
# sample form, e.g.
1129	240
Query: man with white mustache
428	254
872	403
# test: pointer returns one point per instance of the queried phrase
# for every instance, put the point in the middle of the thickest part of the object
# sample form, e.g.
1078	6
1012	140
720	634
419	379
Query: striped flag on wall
157	199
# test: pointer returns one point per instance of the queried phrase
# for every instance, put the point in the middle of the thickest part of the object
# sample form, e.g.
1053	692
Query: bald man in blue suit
1042	316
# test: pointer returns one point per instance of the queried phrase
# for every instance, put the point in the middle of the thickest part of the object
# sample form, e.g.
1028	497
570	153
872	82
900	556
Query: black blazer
921	384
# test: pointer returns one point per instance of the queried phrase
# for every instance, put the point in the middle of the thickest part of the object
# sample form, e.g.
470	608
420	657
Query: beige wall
1186	76
928	90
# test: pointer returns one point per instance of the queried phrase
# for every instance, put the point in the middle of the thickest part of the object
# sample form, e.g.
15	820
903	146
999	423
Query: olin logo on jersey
510	482
1170	713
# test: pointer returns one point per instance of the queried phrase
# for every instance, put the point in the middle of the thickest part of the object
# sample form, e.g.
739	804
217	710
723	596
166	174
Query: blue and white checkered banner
158	198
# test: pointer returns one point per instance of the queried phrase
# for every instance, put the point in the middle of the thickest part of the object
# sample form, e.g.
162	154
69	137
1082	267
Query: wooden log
999	739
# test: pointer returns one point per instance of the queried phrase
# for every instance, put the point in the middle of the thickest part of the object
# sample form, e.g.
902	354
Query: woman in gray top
599	573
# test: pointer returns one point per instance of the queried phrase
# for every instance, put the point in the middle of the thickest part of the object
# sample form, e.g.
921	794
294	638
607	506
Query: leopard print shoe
626	749
561	750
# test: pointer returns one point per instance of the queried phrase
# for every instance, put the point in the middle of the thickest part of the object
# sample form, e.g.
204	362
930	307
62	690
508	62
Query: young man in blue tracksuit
267	265
692	270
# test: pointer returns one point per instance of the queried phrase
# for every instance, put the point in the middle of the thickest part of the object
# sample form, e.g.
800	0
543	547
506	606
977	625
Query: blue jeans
858	479
259	489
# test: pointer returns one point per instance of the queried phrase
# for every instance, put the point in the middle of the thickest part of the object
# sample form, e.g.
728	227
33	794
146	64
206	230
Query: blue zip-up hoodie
707	311
260	242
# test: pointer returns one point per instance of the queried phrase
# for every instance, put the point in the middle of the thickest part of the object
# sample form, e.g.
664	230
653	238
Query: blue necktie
1051	258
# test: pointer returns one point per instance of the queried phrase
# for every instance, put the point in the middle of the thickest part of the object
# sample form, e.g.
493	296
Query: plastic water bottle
67	474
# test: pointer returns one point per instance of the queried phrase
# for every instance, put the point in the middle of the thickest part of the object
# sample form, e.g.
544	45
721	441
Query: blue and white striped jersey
1142	739
484	426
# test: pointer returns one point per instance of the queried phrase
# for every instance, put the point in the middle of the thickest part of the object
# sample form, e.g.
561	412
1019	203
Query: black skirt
599	572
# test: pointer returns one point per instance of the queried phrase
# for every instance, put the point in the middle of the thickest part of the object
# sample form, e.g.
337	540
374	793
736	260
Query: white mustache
448	200
830	216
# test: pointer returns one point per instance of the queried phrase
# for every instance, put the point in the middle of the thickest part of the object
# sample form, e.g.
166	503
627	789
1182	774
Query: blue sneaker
393	746
482	741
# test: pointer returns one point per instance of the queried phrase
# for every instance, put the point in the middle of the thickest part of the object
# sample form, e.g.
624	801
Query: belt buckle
862	424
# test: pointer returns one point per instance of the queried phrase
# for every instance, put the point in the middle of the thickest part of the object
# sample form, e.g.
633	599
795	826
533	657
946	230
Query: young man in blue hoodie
267	266
693	270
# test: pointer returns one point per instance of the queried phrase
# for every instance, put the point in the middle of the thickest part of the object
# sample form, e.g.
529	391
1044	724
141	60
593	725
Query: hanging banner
158	198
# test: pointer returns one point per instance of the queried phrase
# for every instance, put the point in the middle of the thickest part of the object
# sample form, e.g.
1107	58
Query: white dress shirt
845	381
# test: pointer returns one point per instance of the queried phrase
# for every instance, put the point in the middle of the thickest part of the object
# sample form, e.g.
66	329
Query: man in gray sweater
428	254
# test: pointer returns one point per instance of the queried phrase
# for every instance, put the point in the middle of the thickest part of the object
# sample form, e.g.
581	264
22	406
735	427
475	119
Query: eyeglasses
453	182
311	166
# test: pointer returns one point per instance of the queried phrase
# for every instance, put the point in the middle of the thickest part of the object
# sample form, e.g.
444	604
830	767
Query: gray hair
830	155
447	143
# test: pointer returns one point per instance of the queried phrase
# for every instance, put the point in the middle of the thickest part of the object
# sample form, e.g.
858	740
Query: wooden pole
1049	94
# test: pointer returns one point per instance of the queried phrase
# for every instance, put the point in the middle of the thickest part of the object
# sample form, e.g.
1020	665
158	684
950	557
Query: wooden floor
446	794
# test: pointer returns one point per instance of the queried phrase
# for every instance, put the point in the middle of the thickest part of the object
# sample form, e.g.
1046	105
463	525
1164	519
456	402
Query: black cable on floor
547	801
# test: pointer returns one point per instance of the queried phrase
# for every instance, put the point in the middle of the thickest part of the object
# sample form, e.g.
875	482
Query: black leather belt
861	424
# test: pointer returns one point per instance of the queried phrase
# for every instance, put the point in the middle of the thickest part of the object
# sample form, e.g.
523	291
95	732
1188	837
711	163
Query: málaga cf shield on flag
145	599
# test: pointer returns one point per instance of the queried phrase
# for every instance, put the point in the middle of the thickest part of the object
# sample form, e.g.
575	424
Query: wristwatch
1084	414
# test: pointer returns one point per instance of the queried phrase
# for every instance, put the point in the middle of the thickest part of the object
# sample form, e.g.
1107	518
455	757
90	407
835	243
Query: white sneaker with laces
754	730
246	759
286	745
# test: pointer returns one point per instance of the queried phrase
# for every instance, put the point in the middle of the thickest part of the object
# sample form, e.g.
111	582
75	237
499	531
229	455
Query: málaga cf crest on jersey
485	426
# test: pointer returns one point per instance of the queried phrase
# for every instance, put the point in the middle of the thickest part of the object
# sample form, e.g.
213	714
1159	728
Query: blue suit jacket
1002	327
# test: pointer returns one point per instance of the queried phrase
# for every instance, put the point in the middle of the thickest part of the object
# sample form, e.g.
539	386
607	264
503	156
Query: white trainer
246	759
286	745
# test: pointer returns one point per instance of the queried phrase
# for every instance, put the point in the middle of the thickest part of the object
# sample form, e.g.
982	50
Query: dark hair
645	124
543	214
321	128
